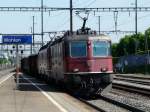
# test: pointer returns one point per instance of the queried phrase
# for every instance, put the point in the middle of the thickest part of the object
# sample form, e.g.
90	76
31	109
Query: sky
21	22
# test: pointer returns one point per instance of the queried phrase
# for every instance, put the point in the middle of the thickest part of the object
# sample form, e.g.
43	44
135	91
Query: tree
147	36
114	50
130	44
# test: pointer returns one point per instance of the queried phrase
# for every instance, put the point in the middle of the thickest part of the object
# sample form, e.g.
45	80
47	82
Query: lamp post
32	31
71	17
99	24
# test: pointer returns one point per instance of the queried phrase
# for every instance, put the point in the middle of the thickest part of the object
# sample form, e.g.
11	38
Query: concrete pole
99	24
71	17
17	66
136	17
42	22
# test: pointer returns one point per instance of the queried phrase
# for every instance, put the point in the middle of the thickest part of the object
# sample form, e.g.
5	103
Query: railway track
137	81
128	83
132	76
133	84
138	88
115	105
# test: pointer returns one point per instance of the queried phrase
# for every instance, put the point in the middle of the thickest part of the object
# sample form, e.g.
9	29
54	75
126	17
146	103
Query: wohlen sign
17	39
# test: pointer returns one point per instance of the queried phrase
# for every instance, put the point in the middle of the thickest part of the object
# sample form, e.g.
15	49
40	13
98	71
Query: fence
133	64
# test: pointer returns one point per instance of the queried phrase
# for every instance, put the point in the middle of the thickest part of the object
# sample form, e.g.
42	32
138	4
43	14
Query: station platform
33	95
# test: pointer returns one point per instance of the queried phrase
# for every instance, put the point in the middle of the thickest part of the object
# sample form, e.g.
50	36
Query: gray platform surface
35	96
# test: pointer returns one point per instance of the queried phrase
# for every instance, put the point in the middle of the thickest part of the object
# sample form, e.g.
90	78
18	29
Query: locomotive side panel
49	62
57	62
42	62
39	64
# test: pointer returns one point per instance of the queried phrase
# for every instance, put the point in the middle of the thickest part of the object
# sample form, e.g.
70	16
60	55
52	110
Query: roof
88	37
91	35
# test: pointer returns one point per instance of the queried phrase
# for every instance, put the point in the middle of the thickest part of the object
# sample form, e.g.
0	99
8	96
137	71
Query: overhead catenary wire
128	22
56	15
90	3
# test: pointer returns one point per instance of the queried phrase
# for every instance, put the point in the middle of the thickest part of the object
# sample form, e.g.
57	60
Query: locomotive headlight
104	69
76	70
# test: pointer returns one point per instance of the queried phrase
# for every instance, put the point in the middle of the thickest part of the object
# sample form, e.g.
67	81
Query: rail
132	84
113	102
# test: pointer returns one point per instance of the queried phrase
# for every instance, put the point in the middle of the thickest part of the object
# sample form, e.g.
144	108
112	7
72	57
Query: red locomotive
80	60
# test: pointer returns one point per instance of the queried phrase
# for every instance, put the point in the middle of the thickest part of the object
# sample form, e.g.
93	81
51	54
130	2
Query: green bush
4	61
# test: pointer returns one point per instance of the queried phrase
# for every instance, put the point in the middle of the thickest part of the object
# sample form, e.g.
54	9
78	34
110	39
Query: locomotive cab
89	54
89	61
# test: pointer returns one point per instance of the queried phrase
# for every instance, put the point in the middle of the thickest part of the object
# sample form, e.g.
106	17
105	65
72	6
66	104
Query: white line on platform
49	97
23	78
38	84
5	78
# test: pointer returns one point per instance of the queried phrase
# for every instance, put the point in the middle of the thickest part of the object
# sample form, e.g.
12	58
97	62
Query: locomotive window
101	48
78	49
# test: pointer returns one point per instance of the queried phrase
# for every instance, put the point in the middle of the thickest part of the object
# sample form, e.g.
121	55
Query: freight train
80	61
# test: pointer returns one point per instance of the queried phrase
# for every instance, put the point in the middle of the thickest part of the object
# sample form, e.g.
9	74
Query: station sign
17	39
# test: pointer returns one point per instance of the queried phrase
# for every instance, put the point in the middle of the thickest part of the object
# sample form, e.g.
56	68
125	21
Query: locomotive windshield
78	49
101	48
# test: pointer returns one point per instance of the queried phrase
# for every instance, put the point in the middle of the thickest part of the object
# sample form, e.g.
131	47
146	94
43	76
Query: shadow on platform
32	84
